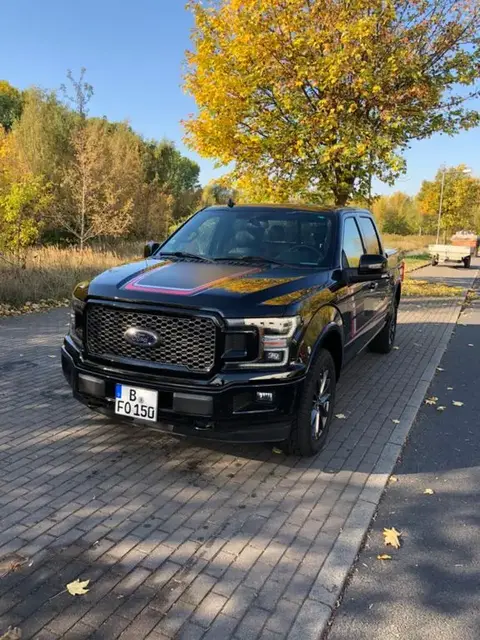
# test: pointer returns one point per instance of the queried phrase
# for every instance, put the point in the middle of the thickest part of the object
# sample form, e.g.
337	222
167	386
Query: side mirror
372	265
150	248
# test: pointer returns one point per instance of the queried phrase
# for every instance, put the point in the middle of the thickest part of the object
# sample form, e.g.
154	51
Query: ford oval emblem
138	337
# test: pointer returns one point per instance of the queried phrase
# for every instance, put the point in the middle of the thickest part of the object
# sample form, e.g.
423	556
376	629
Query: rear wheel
467	262
311	426
384	341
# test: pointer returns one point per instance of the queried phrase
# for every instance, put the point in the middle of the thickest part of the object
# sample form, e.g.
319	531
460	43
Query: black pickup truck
237	327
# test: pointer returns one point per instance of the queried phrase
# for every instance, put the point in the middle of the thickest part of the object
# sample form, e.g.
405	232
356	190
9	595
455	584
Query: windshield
302	238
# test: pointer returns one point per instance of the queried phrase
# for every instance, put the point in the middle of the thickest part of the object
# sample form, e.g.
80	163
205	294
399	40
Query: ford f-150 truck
237	327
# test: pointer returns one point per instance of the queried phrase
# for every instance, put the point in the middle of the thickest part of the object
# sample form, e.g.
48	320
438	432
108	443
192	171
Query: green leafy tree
173	173
397	213
11	104
43	134
24	201
23	205
461	200
314	98
216	193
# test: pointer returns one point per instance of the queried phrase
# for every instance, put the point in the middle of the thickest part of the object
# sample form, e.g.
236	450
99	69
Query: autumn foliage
311	98
68	177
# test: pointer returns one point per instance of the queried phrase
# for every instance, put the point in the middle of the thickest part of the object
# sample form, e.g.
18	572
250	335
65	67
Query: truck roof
291	207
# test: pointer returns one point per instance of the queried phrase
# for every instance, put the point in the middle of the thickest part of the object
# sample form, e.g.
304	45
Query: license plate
136	402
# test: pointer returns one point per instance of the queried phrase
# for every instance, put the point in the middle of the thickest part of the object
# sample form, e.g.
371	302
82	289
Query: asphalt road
431	587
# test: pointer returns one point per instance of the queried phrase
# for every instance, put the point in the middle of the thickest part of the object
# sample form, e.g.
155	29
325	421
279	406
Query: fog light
273	356
264	396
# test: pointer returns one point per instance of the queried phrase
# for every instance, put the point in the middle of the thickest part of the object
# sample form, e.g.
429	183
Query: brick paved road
183	539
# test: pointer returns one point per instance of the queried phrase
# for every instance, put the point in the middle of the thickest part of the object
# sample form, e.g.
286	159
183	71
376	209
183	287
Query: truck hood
231	289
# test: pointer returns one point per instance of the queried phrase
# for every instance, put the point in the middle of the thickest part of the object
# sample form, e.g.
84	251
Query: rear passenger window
352	244
372	243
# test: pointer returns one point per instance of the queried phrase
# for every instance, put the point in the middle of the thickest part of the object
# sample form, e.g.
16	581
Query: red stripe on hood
134	285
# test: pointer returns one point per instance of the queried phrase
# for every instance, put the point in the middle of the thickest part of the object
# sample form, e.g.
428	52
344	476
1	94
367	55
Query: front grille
184	341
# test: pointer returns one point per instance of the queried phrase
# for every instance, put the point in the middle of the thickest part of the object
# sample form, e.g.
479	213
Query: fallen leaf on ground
384	556
395	421
276	450
429	492
340	416
440	369
396	348
441	408
392	537
12	633
393	479
78	587
432	400
449	388
457	403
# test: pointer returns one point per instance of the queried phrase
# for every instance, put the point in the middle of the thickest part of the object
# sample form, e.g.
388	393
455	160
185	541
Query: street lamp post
442	187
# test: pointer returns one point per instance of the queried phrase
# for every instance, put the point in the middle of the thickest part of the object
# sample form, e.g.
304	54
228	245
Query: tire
384	341
312	423
467	262
434	262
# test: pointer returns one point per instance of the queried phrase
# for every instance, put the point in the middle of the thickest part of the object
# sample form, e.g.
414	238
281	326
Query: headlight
275	337
77	324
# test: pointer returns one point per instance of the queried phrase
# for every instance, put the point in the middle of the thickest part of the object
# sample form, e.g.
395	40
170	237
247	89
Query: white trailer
443	253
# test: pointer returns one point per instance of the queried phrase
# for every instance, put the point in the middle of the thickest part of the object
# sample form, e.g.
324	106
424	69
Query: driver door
354	306
379	290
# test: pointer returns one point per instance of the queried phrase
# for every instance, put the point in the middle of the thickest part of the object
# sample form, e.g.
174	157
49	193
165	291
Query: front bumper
224	409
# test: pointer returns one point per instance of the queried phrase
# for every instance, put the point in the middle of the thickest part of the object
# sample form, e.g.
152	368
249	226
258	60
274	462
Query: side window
370	236
352	244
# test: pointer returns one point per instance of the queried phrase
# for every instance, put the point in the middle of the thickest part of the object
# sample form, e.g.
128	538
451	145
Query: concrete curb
330	582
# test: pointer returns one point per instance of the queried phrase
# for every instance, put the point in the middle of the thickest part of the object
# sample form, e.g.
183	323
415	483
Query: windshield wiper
183	254
251	259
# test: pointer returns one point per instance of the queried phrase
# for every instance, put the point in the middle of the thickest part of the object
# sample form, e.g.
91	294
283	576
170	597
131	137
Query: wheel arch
324	331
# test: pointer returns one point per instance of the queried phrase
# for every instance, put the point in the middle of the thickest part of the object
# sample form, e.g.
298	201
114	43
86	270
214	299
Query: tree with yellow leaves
460	201
101	183
310	98
25	199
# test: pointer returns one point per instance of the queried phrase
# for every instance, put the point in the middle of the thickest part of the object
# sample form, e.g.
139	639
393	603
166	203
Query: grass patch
407	243
417	261
424	289
51	273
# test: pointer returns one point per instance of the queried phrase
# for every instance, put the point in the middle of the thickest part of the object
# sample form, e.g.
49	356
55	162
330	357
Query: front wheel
311	426
467	262
384	341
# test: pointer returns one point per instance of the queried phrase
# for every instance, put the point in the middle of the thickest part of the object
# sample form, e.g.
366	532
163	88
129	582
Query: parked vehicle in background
467	239
449	253
237	327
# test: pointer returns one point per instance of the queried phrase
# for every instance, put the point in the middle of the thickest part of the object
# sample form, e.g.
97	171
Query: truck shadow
142	515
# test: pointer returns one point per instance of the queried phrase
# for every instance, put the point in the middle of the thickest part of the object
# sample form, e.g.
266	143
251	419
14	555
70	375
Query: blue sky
133	52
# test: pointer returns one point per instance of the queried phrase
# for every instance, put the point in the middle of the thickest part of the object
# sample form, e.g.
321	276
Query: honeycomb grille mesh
184	341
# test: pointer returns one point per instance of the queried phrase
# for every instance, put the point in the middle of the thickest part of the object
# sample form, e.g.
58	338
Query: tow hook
204	426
